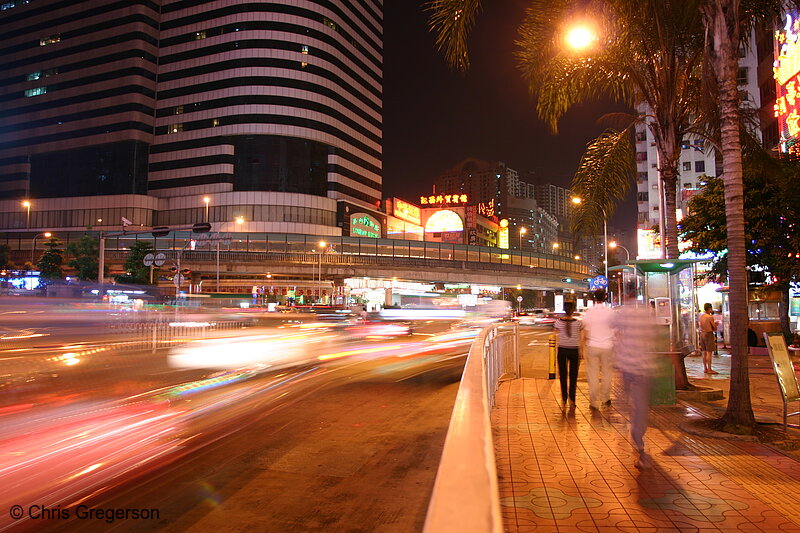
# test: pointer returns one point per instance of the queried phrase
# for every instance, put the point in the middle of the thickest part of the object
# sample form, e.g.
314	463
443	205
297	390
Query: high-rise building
272	111
698	158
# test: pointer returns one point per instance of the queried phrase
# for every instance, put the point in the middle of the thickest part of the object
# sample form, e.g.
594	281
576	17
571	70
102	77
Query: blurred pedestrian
598	324
708	341
568	329
634	347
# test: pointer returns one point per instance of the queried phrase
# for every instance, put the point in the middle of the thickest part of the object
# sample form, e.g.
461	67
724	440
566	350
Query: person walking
708	342
635	362
598	325
568	329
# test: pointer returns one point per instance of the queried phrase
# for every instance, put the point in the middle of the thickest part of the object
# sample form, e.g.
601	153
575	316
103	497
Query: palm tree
648	52
727	22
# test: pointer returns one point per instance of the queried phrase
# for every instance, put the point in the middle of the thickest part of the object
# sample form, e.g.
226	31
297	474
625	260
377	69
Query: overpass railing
336	249
465	495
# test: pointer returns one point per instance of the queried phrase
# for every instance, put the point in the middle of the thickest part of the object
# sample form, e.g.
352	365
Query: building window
175	128
329	23
7	5
641	176
641	135
52	39
643	196
304	50
687	185
741	76
36	91
641	156
699	166
200	35
34	75
179	110
687	165
215	122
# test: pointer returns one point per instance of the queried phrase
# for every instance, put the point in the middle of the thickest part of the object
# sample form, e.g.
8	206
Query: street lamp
206	200
47	234
555	246
577	201
613	244
522	231
27	205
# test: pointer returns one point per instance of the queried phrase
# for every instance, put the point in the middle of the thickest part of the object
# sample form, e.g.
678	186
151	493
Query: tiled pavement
573	471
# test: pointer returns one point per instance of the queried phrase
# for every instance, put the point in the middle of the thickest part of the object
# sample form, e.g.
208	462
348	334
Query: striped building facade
270	110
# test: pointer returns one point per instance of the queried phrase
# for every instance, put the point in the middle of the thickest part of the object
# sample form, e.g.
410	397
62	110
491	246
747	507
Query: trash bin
662	391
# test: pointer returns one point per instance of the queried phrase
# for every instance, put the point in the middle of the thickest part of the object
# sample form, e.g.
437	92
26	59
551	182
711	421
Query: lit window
7	5
200	35
34	75
687	185
215	122
329	23
304	50
687	165
52	39
36	92
178	109
175	128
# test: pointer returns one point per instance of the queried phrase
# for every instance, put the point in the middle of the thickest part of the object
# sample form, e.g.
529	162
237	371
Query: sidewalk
573	471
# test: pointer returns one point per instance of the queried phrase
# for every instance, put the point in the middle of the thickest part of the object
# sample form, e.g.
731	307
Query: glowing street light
206	201
26	204
45	234
580	38
577	201
613	244
522	231
240	220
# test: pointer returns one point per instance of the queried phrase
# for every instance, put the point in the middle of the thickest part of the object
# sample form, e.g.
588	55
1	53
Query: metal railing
465	495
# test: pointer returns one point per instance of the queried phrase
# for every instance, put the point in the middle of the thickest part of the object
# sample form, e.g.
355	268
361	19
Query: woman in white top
568	329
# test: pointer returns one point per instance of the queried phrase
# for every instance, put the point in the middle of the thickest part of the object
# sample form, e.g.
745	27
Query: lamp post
26	204
578	201
322	245
47	234
522	231
206	201
613	244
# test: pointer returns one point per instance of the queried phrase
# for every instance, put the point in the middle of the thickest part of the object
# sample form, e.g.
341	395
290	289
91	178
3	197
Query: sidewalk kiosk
667	285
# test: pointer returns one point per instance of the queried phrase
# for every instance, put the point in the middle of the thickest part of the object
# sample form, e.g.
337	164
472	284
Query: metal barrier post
553	349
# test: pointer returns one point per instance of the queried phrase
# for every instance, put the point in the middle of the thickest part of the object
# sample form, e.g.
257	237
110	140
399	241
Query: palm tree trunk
722	20
669	178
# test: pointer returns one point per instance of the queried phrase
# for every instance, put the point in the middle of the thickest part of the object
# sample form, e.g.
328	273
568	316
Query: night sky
435	117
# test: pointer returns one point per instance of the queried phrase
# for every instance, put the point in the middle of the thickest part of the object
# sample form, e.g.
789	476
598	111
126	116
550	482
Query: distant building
270	110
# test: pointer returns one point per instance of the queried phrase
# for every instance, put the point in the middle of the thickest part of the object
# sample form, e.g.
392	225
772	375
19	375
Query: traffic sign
598	282
177	279
519	298
159	259
148	260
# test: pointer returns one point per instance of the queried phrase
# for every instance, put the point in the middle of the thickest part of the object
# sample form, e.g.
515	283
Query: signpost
519	303
784	372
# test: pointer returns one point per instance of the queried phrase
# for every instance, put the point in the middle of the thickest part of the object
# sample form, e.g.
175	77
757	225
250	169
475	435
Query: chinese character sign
443	199
364	225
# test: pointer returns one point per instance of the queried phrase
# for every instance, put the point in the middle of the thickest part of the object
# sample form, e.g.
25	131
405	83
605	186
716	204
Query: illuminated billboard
786	70
406	211
444	220
649	244
364	225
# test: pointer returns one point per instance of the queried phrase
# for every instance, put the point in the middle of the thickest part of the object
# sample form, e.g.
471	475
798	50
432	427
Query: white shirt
598	322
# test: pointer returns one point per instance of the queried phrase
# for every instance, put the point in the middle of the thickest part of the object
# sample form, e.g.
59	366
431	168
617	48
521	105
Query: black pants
568	355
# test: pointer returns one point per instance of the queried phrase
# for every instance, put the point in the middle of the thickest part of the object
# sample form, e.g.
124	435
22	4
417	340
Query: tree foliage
5	257
51	262
85	257
135	271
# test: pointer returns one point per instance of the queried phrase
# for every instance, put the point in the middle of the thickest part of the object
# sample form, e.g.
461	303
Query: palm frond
451	21
603	178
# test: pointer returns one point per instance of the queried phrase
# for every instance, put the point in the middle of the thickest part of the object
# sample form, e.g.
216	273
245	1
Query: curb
689	427
702	394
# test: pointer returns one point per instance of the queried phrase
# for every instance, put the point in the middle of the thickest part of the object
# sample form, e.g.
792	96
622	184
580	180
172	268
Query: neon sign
364	225
439	199
786	70
487	209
